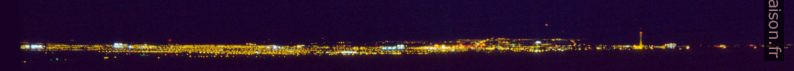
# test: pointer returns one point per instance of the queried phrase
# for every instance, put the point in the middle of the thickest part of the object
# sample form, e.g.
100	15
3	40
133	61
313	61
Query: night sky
603	21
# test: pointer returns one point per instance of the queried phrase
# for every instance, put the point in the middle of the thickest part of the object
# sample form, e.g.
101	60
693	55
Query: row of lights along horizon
388	48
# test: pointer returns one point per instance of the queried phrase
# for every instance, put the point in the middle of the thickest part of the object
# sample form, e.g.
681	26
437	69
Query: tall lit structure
639	46
641	40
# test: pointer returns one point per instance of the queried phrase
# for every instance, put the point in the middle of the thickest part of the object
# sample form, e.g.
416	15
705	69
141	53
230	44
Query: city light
36	46
721	46
395	47
464	45
670	45
537	42
118	45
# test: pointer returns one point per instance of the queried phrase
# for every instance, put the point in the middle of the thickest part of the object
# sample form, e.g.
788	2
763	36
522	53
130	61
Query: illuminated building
640	45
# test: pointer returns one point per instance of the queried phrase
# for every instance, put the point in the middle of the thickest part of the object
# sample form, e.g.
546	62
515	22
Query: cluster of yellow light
721	46
255	49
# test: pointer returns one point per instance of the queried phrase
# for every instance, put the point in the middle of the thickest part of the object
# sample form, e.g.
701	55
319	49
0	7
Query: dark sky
608	21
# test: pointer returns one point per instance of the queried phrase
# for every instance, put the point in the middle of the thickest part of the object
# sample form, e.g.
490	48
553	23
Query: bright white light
275	47
118	45
349	52
397	47
670	45
35	46
537	42
401	46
